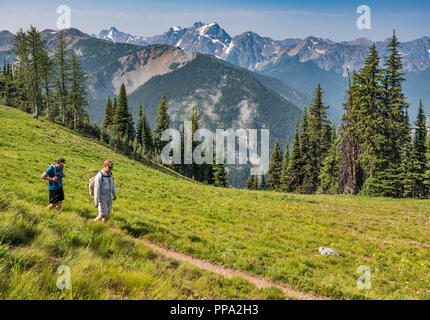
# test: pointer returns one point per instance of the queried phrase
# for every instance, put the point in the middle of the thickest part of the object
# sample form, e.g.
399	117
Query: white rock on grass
328	251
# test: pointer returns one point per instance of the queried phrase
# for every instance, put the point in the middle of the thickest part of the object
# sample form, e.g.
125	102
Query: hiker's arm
113	189
97	189
45	177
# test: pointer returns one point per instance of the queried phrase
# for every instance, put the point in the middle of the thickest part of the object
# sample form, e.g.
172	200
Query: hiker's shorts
105	206
56	196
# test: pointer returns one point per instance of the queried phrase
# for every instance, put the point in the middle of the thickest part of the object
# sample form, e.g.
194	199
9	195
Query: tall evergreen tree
329	174
144	133
250	183
123	119
368	99
275	168
109	114
319	137
407	165
62	77
78	92
307	183
285	163
367	95
47	74
427	172
263	184
219	174
351	174
294	163
29	50
197	171
394	107
8	87
163	123
420	151
393	112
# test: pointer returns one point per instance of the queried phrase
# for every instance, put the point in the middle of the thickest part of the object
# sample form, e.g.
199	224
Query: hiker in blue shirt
54	174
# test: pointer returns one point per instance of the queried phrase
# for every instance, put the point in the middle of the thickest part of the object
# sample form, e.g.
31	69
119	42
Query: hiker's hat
61	160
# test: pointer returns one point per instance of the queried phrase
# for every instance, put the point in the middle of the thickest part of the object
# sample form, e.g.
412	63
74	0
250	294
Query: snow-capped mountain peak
176	28
114	35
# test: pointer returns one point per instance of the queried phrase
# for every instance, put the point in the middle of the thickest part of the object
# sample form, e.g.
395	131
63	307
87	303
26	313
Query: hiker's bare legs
56	205
98	218
105	219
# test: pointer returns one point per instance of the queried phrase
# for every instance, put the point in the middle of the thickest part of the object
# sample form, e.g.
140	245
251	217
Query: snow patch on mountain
230	46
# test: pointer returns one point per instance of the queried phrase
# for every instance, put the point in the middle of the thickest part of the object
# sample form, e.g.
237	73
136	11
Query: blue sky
277	19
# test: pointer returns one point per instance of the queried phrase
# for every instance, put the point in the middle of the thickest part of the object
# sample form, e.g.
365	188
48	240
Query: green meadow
274	235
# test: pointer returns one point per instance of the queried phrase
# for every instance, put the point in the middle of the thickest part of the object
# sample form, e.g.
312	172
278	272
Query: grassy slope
272	234
105	262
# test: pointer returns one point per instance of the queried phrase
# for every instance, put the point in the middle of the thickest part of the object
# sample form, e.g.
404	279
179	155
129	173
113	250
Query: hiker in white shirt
104	192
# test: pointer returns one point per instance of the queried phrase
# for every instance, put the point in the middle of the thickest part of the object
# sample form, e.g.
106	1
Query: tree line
44	84
373	152
140	141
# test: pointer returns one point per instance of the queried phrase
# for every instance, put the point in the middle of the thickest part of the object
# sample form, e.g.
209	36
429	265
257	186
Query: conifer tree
319	138
29	50
123	119
263	185
8	86
420	149
163	123
329	175
257	182
47	75
294	163
285	163
78	92
351	174
220	179
114	109
250	183
394	107
139	126
195	169
62	77
109	114
368	98
393	112
407	166
144	133
275	168
427	172
307	184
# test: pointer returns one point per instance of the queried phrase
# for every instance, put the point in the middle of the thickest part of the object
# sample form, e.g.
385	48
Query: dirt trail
259	282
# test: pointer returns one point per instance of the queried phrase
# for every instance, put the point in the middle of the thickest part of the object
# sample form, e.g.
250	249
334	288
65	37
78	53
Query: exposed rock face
135	70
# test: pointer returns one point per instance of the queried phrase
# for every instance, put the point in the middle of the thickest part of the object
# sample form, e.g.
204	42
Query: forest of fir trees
141	142
375	151
43	83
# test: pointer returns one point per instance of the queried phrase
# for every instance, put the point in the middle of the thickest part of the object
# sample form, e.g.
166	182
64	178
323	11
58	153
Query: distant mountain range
251	51
300	63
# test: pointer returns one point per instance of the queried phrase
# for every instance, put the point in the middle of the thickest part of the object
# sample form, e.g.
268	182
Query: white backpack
92	182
